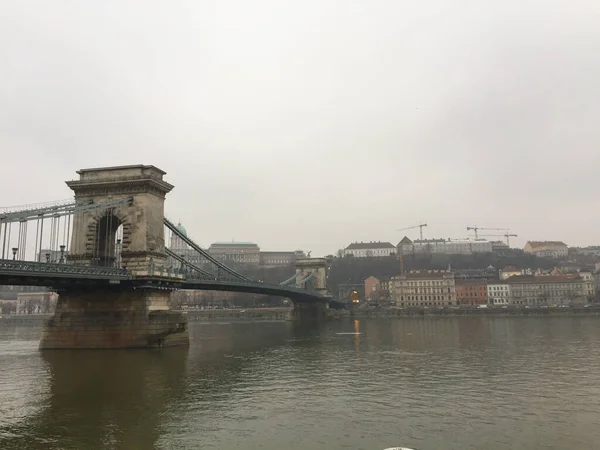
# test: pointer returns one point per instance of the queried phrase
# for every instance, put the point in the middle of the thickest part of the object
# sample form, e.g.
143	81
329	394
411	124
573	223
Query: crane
475	229
420	226
508	236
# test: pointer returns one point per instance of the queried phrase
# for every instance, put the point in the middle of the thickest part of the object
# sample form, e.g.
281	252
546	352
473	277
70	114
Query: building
499	246
471	291
423	289
377	289
489	273
508	272
179	247
445	246
597	282
274	259
498	293
237	252
547	290
589	284
370	249
586	251
36	302
547	249
176	242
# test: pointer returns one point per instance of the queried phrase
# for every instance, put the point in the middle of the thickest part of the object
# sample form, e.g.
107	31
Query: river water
435	383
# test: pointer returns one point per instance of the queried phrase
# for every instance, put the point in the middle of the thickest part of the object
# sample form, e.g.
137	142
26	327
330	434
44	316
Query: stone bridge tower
312	310
119	315
93	240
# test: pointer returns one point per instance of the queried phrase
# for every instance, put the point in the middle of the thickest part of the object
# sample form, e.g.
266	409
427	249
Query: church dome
181	229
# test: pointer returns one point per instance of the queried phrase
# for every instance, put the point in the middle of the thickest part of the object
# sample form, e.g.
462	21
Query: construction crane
475	229
420	226
508	236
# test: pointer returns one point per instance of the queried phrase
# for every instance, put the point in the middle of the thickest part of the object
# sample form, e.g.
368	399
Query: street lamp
47	257
62	254
14	250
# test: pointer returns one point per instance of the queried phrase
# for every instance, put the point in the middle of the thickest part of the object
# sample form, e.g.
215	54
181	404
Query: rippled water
436	383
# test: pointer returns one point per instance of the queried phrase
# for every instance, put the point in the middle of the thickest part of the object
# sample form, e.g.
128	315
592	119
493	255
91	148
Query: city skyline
312	125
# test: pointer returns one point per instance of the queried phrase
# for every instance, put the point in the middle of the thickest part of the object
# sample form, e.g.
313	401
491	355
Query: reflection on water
452	383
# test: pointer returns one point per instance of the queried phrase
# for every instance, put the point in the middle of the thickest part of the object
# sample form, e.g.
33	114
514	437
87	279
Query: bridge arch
108	234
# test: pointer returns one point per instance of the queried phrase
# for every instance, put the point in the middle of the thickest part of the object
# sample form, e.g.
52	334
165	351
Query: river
426	383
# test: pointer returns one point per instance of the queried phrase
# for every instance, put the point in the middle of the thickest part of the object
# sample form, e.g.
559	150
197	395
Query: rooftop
369	245
234	244
425	275
543	278
535	244
128	167
181	229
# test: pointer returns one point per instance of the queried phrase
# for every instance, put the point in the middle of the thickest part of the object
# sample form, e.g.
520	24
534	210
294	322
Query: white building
547	249
370	249
498	293
445	246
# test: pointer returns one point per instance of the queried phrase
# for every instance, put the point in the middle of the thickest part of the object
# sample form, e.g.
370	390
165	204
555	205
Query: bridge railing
30	267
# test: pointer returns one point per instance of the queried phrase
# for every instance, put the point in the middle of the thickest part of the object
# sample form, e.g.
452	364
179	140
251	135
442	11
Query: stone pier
118	316
309	311
114	319
318	310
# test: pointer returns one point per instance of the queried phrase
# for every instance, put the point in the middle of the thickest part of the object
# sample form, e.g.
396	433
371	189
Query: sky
315	123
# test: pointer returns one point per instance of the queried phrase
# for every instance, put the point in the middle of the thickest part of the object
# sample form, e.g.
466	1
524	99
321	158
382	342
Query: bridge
104	253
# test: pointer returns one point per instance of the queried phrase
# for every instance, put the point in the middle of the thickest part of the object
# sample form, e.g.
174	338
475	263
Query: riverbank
24	319
254	314
282	314
495	312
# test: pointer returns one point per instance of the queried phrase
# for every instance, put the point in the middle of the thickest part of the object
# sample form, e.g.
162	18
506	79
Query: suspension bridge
104	252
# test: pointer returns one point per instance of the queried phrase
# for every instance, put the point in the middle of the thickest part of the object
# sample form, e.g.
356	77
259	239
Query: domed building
177	243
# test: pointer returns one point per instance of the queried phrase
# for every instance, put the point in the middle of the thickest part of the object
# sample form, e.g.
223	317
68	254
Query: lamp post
62	254
14	250
47	257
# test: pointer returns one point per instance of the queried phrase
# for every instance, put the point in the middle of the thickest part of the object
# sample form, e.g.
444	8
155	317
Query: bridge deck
26	273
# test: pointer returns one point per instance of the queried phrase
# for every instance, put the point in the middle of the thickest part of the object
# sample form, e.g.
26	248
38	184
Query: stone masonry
118	316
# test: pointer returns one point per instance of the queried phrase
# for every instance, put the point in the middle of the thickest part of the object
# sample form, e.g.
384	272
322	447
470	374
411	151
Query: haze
316	123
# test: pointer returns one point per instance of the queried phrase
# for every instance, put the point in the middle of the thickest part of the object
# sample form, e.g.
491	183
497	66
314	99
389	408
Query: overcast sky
314	123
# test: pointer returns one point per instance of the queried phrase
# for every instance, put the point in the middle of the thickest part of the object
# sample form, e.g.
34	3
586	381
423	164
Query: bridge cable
173	255
196	247
4	241
289	280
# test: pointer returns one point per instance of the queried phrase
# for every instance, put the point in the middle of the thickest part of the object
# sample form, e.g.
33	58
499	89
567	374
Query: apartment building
471	291
539	290
498	293
377	289
423	289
